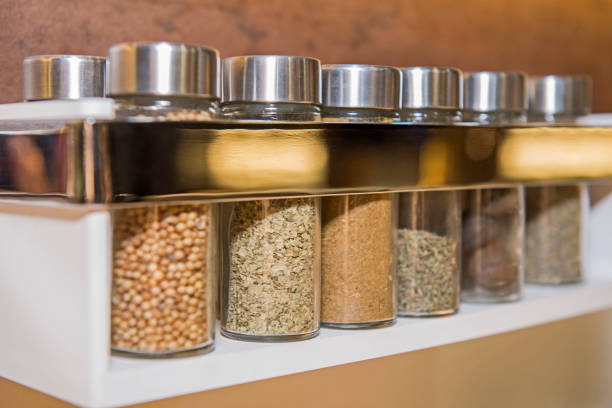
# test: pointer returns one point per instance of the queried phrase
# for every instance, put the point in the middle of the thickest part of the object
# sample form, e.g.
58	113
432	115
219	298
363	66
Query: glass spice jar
428	247
164	255
161	81
557	215
493	218
358	267
163	288
271	272
431	95
272	87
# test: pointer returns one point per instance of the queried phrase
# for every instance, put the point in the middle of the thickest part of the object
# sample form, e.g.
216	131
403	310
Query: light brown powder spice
159	291
273	268
357	259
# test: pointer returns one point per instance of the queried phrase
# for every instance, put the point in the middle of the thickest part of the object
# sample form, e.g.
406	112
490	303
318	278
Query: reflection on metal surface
34	162
267	158
550	153
120	162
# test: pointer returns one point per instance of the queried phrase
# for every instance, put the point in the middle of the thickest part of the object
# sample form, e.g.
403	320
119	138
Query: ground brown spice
357	283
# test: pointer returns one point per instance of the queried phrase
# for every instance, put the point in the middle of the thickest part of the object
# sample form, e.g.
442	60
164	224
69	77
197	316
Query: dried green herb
357	259
273	268
427	273
553	234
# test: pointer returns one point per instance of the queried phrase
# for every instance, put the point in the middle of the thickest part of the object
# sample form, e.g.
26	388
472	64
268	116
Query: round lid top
63	77
495	91
162	68
431	87
272	78
560	94
361	86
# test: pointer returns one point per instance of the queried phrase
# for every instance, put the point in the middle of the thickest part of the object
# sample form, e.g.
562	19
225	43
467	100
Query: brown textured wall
545	36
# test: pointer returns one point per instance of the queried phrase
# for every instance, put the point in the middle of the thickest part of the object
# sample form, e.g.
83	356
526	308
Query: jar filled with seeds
160	81
428	247
358	268
271	273
557	216
163	290
494	218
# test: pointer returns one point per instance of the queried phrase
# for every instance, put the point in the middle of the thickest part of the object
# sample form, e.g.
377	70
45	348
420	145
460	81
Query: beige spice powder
160	300
357	280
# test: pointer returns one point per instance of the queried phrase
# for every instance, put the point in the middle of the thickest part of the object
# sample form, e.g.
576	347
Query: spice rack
89	163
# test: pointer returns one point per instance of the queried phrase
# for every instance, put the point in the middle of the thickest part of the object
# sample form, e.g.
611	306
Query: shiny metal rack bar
108	162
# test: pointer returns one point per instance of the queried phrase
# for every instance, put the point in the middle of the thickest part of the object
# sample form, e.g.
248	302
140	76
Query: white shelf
130	381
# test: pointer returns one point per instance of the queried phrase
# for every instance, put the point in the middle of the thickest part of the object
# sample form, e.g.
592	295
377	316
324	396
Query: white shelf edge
85	108
130	381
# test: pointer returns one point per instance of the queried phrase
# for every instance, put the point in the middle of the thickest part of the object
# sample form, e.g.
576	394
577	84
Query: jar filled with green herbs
271	273
557	215
494	218
358	267
428	242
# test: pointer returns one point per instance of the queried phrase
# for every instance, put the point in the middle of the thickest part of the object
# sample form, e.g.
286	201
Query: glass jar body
493	245
431	116
271	276
359	115
428	251
163	280
283	111
555	233
496	117
358	268
166	108
560	119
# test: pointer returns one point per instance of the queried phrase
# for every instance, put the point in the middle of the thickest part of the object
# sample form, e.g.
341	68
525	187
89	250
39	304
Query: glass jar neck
431	116
553	118
158	107
369	115
495	117
283	111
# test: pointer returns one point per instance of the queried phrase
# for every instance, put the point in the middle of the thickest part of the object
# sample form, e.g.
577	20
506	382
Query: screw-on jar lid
495	91
431	88
272	78
63	77
164	69
560	94
361	86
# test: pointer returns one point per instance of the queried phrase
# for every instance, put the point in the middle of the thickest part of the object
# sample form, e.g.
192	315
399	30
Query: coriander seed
162	291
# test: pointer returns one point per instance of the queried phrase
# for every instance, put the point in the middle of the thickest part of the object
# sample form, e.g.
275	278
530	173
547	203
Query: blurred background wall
536	36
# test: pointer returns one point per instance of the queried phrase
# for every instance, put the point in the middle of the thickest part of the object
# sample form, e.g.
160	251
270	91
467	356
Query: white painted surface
54	295
86	108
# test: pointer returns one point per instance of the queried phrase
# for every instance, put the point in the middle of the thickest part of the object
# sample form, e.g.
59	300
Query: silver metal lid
361	86
431	87
560	94
495	91
63	77
165	69
272	78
